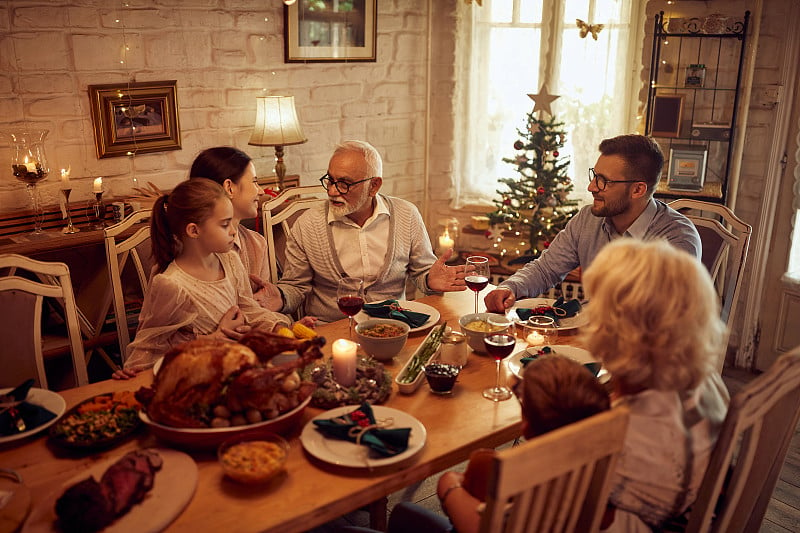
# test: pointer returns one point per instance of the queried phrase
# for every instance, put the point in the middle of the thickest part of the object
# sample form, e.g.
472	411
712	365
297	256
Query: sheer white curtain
508	49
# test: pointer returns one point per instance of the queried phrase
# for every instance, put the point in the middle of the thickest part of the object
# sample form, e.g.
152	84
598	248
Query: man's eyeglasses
602	181
342	186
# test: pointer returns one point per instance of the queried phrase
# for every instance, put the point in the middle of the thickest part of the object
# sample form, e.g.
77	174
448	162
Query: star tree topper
543	100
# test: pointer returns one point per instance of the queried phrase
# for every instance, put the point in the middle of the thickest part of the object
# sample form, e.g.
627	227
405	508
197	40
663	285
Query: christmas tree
535	206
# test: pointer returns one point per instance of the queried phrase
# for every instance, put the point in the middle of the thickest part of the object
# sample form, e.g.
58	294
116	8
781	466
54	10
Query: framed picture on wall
330	31
667	114
135	118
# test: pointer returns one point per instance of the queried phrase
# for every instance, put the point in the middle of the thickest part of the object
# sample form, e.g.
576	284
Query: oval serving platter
79	428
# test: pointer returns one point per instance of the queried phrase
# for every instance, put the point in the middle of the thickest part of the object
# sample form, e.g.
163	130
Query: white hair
371	155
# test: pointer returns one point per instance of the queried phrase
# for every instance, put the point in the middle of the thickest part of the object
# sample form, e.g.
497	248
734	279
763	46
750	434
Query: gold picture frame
314	32
135	118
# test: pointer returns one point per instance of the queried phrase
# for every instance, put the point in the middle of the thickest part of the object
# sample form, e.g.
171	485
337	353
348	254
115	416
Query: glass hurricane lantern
29	165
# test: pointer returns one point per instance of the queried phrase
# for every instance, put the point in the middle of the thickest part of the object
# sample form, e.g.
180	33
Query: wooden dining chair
21	308
558	481
278	214
129	285
749	454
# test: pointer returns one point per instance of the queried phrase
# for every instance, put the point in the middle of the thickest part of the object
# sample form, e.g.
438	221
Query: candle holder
98	213
69	228
29	165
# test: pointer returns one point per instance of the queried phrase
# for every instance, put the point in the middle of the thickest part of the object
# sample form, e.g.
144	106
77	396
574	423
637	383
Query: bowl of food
475	326
441	377
382	338
253	459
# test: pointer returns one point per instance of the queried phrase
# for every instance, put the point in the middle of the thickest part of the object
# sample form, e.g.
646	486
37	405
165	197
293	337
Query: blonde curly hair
653	316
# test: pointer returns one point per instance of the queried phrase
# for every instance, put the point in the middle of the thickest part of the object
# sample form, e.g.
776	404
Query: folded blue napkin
559	309
392	309
359	426
33	415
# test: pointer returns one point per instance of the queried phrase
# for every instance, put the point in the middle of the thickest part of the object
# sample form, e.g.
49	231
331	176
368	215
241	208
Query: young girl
201	288
235	172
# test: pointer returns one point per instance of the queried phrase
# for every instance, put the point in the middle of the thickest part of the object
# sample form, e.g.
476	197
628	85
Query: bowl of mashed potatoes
256	458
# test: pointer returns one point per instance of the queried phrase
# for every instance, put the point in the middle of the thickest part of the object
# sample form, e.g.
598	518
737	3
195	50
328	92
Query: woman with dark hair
235	172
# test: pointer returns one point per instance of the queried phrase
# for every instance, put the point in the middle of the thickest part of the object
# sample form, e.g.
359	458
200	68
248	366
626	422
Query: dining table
311	492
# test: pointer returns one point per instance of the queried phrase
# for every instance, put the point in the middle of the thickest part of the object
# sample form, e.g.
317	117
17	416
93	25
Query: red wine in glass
350	305
500	345
476	283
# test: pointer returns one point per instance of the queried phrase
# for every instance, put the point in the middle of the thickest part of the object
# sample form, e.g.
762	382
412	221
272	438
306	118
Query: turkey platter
215	383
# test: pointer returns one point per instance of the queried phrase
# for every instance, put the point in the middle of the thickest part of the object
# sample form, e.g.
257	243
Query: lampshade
276	122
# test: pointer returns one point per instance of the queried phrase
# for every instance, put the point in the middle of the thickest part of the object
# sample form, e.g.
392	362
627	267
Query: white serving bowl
475	338
382	348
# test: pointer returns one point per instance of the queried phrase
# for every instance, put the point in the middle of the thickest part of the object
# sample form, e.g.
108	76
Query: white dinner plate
52	401
578	354
173	488
577	321
346	453
411	306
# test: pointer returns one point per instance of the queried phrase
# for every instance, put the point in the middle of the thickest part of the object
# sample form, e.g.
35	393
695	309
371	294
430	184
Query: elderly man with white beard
360	233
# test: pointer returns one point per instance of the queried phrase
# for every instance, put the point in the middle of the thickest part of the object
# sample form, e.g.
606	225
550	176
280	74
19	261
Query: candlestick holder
98	213
29	165
69	228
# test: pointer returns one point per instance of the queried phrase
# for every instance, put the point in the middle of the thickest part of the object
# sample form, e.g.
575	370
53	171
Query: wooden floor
783	514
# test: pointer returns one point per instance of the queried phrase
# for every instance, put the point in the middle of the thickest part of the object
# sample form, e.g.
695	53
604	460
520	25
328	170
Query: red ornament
555	154
546	244
506	201
488	234
540	190
518	145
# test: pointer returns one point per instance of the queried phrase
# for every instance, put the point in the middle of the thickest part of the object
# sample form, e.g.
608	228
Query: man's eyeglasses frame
326	181
602	181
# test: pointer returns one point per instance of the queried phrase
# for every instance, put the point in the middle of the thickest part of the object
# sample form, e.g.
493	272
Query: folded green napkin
559	309
33	415
359	426
544	350
392	309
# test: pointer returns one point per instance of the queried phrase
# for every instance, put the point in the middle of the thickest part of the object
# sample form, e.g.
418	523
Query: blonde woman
654	323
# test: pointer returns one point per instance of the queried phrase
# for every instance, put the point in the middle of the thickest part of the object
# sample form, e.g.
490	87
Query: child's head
177	216
235	172
556	391
653	316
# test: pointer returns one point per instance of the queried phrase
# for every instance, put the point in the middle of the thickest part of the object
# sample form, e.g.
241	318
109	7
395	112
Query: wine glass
350	298
477	275
499	344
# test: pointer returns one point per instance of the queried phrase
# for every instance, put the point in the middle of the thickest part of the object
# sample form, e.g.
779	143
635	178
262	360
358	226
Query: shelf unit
692	112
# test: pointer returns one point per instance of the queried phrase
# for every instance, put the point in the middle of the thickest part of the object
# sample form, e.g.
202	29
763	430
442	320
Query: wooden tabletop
312	492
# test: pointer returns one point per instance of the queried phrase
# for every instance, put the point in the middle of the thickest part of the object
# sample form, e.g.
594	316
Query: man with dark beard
622	183
360	233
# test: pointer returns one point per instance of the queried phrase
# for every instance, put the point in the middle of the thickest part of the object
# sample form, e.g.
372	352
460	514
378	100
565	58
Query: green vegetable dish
423	355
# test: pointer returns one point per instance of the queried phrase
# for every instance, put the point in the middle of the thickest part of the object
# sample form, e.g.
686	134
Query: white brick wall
223	53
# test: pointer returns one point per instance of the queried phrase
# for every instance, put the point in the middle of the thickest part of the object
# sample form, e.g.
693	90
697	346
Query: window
508	49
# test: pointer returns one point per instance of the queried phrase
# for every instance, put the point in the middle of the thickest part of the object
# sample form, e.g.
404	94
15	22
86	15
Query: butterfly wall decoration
585	28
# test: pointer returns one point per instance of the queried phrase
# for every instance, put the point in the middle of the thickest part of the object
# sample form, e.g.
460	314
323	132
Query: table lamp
277	125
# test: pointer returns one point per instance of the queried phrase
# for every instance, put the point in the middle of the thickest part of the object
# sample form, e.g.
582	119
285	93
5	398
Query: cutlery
17	396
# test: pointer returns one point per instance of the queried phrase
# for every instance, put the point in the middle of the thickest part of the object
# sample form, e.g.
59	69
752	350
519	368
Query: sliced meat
84	508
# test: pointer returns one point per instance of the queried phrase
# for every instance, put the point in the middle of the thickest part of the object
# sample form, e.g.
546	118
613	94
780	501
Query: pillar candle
65	178
535	339
98	185
446	242
344	361
30	166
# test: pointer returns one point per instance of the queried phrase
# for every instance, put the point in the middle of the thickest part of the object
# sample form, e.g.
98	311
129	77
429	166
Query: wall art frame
135	118
687	167
667	115
313	32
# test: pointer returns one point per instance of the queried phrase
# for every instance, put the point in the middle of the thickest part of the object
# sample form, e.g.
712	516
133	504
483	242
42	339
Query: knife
18	394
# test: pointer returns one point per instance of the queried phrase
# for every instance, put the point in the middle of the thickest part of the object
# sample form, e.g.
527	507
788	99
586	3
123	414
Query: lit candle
65	178
344	361
98	185
535	339
446	242
30	166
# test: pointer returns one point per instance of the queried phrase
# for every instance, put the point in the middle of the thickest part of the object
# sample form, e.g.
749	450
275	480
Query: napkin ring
359	431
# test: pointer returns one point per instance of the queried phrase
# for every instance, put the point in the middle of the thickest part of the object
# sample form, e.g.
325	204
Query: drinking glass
477	275
350	298
499	344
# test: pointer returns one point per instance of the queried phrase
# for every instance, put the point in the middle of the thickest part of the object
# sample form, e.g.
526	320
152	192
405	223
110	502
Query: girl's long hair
191	201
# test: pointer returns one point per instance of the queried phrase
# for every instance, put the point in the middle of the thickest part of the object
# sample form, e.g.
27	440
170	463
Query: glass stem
476	302
497	375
